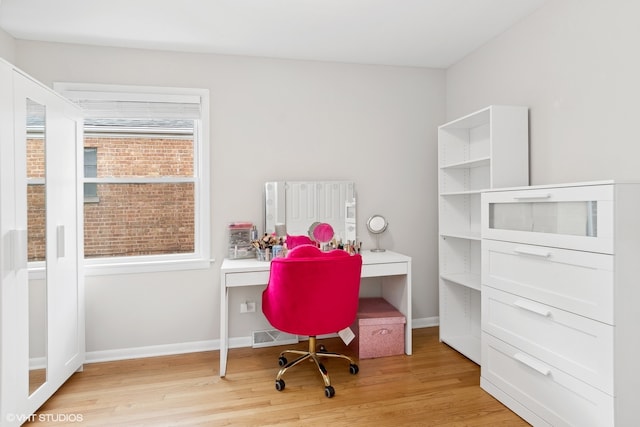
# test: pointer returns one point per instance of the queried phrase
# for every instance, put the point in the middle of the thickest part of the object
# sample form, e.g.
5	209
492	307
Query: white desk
392	267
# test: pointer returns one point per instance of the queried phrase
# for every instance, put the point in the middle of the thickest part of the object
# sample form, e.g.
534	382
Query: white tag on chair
347	335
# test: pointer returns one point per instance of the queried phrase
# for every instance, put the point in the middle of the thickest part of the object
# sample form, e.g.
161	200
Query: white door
13	332
64	242
45	344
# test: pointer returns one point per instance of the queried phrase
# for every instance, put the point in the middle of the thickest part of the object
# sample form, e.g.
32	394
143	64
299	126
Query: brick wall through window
127	218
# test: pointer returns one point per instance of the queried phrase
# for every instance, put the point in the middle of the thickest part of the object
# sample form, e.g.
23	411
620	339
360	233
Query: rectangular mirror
36	241
295	205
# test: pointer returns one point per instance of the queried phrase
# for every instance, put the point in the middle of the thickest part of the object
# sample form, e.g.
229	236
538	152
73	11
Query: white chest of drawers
560	293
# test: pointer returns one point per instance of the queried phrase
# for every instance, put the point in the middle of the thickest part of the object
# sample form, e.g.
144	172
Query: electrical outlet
247	307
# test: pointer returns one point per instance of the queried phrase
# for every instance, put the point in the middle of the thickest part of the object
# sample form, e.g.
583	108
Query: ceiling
421	33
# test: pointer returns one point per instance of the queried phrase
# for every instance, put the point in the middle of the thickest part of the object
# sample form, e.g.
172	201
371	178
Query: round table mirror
376	225
323	233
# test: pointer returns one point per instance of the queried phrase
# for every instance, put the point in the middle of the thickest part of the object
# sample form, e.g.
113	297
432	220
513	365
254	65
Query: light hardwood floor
436	386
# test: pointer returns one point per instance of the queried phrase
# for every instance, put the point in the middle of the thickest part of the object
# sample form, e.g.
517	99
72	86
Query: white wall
270	120
576	64
7	46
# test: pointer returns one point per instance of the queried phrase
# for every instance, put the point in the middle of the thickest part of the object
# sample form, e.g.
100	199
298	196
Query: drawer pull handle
533	308
533	364
534	252
532	196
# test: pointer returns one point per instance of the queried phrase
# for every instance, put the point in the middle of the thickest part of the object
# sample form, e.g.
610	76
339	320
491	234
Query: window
90	171
145	188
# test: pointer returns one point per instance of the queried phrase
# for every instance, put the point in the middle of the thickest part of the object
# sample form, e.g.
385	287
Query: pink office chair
311	293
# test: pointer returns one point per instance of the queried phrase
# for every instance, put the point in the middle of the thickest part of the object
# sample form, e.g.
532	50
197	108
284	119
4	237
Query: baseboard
196	346
425	322
150	351
37	363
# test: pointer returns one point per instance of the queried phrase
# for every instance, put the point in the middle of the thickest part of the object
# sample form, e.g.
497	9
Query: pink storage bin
379	329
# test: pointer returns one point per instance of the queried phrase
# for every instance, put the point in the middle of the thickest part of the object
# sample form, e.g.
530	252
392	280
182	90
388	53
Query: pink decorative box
379	329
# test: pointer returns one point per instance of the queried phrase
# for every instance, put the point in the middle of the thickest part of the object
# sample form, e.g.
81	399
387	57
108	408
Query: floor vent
272	337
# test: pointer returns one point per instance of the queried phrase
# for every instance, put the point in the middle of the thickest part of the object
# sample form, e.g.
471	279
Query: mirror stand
376	225
377	248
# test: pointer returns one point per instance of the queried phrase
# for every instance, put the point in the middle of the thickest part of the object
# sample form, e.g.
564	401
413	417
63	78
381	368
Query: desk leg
408	340
224	327
397	290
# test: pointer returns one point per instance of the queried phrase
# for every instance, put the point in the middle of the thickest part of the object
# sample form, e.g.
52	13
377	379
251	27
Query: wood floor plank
436	386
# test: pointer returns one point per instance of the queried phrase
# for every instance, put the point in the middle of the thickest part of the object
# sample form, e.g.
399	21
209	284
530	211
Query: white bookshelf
484	150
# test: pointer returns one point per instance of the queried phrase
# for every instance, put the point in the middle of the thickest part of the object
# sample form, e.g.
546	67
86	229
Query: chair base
314	356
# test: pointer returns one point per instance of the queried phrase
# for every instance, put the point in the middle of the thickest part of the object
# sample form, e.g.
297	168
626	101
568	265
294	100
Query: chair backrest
295	241
311	292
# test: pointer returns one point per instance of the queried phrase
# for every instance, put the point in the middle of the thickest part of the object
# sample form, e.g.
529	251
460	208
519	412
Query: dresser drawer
578	218
579	282
577	345
553	395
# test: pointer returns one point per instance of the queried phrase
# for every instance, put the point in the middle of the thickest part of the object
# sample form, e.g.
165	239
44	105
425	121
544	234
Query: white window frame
201	257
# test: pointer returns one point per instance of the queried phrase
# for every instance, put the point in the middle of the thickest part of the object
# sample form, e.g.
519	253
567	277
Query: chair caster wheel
282	361
329	391
353	369
279	385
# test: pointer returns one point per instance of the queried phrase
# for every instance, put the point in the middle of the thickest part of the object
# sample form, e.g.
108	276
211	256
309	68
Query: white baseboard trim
37	363
238	342
425	322
150	351
196	346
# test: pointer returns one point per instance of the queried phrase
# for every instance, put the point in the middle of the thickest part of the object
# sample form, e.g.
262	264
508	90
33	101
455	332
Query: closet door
49	308
13	381
64	241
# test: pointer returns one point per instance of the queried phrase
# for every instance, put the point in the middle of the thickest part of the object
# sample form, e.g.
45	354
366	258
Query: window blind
139	110
127	105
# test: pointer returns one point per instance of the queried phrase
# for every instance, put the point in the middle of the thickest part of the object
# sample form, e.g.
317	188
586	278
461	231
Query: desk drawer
579	346
381	270
553	395
247	278
579	282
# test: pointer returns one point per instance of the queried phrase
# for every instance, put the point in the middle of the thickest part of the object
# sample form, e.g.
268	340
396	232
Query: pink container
379	329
